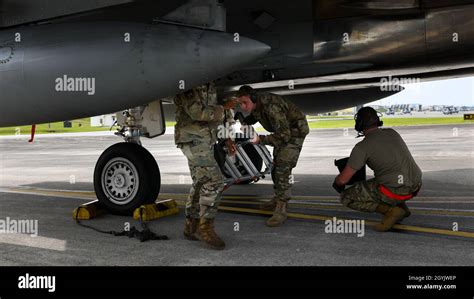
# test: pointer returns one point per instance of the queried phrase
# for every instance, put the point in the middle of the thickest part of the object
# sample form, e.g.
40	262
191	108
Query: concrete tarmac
445	154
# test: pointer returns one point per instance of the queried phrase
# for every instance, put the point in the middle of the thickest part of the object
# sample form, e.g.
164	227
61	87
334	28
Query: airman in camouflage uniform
197	119
397	176
289	128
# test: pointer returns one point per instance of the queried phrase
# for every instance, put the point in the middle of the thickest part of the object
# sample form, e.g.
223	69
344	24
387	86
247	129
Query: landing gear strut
126	175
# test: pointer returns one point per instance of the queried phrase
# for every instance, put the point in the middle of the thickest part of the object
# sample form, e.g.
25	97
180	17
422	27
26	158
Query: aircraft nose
194	56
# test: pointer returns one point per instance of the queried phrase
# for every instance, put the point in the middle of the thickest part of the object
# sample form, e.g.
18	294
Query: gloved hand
338	188
255	139
231	104
231	148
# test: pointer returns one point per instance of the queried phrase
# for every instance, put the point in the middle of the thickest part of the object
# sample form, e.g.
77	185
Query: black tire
132	164
254	157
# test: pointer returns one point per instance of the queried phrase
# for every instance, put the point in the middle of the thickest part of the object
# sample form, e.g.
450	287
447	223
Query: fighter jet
68	59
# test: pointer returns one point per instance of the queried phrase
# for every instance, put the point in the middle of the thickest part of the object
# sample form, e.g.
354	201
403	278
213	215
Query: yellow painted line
73	194
244	197
427	200
343	209
429	230
91	195
400	227
320	198
460	199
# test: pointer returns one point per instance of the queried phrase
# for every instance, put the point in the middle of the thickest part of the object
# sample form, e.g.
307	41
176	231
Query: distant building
107	120
407	107
437	108
416	107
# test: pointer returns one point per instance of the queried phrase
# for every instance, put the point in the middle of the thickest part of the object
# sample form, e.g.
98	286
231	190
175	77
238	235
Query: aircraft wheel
126	176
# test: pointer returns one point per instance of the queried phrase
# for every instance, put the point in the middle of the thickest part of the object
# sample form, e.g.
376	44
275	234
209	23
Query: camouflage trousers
365	196
208	181
285	158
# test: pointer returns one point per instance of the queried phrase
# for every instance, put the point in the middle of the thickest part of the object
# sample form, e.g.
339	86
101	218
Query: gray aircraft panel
361	46
15	12
125	74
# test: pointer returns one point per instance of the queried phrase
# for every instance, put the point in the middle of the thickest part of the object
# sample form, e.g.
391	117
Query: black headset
368	118
253	97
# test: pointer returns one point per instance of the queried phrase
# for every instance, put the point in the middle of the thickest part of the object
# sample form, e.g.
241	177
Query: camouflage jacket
197	116
280	117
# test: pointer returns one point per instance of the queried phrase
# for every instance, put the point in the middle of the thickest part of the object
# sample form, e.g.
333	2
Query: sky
456	92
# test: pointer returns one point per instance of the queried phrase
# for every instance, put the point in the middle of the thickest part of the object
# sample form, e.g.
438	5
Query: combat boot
406	209
270	206
392	216
383	208
208	235
190	228
279	214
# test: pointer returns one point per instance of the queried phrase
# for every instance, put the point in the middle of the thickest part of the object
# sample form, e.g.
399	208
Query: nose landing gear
126	175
